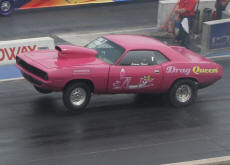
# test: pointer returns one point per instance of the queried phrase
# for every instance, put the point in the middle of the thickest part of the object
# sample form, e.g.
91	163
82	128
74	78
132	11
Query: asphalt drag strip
116	129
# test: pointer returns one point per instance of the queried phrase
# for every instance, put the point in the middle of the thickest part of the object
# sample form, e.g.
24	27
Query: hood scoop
68	51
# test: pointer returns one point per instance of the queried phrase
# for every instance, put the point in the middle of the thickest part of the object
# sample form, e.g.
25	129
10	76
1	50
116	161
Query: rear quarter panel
203	72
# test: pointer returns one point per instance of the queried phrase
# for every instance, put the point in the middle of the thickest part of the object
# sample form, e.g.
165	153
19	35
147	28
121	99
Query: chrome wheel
78	96
5	6
183	93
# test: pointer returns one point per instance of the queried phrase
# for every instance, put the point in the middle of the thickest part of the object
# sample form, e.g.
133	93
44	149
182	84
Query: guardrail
9	50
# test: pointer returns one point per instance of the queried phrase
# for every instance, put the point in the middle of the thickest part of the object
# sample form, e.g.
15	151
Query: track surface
117	129
37	23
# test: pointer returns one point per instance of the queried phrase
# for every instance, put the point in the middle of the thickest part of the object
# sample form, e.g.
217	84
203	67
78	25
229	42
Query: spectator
220	6
185	10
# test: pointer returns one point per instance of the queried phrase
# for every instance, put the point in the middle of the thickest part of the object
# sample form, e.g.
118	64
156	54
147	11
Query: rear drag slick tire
183	93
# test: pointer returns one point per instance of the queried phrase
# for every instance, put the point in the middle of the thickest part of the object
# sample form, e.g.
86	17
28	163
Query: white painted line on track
209	161
12	79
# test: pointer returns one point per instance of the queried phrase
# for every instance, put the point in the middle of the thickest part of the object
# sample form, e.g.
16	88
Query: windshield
107	50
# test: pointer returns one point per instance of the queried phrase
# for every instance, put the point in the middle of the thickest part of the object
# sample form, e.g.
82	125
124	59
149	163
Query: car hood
64	56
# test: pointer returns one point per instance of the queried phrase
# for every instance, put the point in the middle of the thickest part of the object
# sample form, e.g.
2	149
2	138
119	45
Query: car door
138	71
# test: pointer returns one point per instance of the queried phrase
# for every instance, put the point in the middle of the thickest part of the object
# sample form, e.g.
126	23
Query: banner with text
28	4
9	49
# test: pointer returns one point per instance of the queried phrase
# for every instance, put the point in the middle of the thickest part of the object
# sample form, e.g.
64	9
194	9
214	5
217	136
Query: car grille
31	79
32	69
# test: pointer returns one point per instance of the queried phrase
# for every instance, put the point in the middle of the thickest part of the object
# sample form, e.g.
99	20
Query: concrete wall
166	6
215	37
9	49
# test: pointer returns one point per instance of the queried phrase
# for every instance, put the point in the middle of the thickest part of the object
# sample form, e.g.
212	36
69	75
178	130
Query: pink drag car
119	64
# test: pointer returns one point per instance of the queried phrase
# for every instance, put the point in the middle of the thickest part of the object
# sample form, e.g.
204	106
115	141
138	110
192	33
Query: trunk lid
190	55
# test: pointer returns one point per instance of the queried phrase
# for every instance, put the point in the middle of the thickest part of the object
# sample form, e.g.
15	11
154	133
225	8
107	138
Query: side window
143	58
160	57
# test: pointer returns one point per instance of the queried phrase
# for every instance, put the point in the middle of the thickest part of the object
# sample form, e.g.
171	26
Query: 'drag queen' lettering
173	69
198	70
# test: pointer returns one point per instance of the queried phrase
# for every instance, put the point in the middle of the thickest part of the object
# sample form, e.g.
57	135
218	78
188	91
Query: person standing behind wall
185	9
220	6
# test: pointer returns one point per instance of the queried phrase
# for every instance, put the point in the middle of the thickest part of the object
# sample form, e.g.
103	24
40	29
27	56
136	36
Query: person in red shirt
185	9
220	6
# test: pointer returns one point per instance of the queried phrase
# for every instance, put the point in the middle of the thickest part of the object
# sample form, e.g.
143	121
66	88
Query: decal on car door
125	82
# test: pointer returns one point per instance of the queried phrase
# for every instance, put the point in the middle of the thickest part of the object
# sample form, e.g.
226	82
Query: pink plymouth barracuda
118	64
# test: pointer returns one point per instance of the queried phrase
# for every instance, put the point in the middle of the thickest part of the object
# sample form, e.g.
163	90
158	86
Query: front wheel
76	97
183	93
6	7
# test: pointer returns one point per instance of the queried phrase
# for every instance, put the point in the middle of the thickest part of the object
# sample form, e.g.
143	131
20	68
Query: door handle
156	71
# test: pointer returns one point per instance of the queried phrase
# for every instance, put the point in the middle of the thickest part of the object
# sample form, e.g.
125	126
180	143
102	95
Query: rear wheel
183	93
76	97
41	90
6	7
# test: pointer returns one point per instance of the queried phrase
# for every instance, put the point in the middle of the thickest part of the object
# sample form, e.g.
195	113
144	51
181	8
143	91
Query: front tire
6	7
76	97
183	93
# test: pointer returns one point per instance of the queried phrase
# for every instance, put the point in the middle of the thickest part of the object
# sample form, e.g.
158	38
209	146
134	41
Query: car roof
136	42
